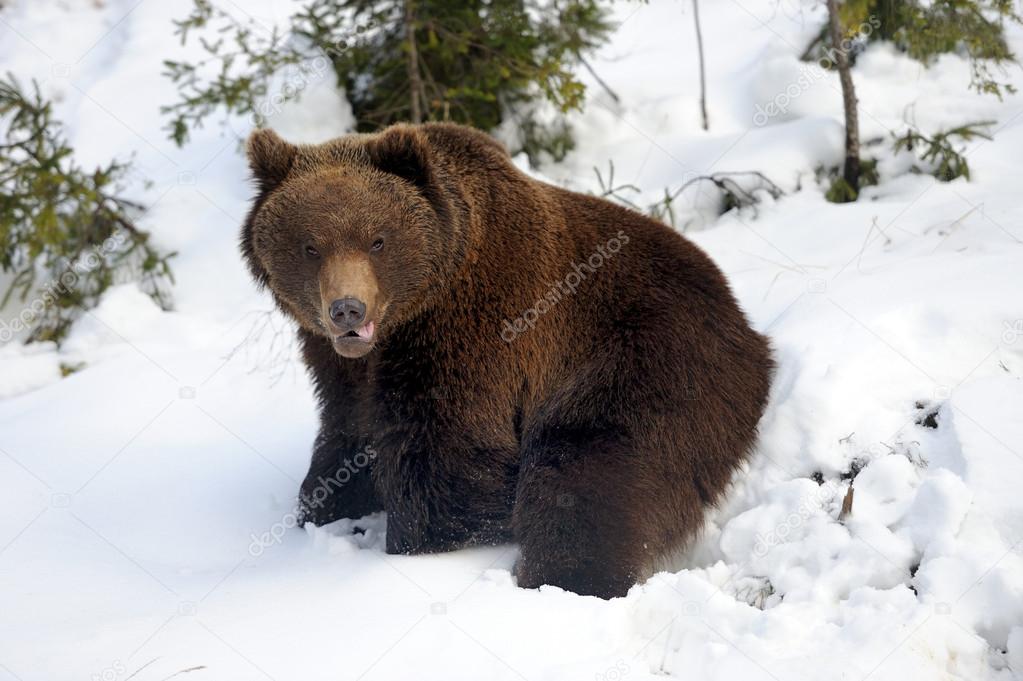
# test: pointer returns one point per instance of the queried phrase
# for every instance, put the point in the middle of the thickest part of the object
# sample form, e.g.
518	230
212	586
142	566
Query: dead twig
847	505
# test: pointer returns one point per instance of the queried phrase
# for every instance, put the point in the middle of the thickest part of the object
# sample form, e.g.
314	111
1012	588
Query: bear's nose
348	312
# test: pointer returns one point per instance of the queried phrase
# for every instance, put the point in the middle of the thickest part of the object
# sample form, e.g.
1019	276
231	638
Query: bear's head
354	235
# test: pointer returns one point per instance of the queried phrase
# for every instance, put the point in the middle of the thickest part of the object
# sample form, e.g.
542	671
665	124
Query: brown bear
497	359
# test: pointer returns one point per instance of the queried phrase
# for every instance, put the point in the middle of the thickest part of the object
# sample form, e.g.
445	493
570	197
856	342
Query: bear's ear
270	157
402	151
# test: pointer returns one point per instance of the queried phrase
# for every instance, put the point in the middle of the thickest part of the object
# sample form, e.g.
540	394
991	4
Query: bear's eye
311	252
377	245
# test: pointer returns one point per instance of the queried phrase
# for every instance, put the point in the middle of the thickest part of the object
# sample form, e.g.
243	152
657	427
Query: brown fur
596	439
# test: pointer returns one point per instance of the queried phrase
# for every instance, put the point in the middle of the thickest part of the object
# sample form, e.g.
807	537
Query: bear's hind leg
583	514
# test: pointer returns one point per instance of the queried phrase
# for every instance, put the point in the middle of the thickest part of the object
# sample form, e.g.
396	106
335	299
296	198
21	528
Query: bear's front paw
409	534
401	539
308	510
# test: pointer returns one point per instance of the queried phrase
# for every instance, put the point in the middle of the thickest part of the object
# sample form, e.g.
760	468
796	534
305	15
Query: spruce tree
475	62
67	233
924	30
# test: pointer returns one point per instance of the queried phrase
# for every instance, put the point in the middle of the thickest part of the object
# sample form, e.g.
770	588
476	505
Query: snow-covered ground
146	529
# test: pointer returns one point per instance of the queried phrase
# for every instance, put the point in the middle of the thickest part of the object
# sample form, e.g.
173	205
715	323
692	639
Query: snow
147	527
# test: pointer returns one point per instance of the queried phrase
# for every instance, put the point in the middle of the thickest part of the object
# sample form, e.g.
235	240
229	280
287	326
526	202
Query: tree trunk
415	80
703	77
851	172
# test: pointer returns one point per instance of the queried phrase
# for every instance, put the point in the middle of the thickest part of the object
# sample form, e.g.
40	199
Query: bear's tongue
365	332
